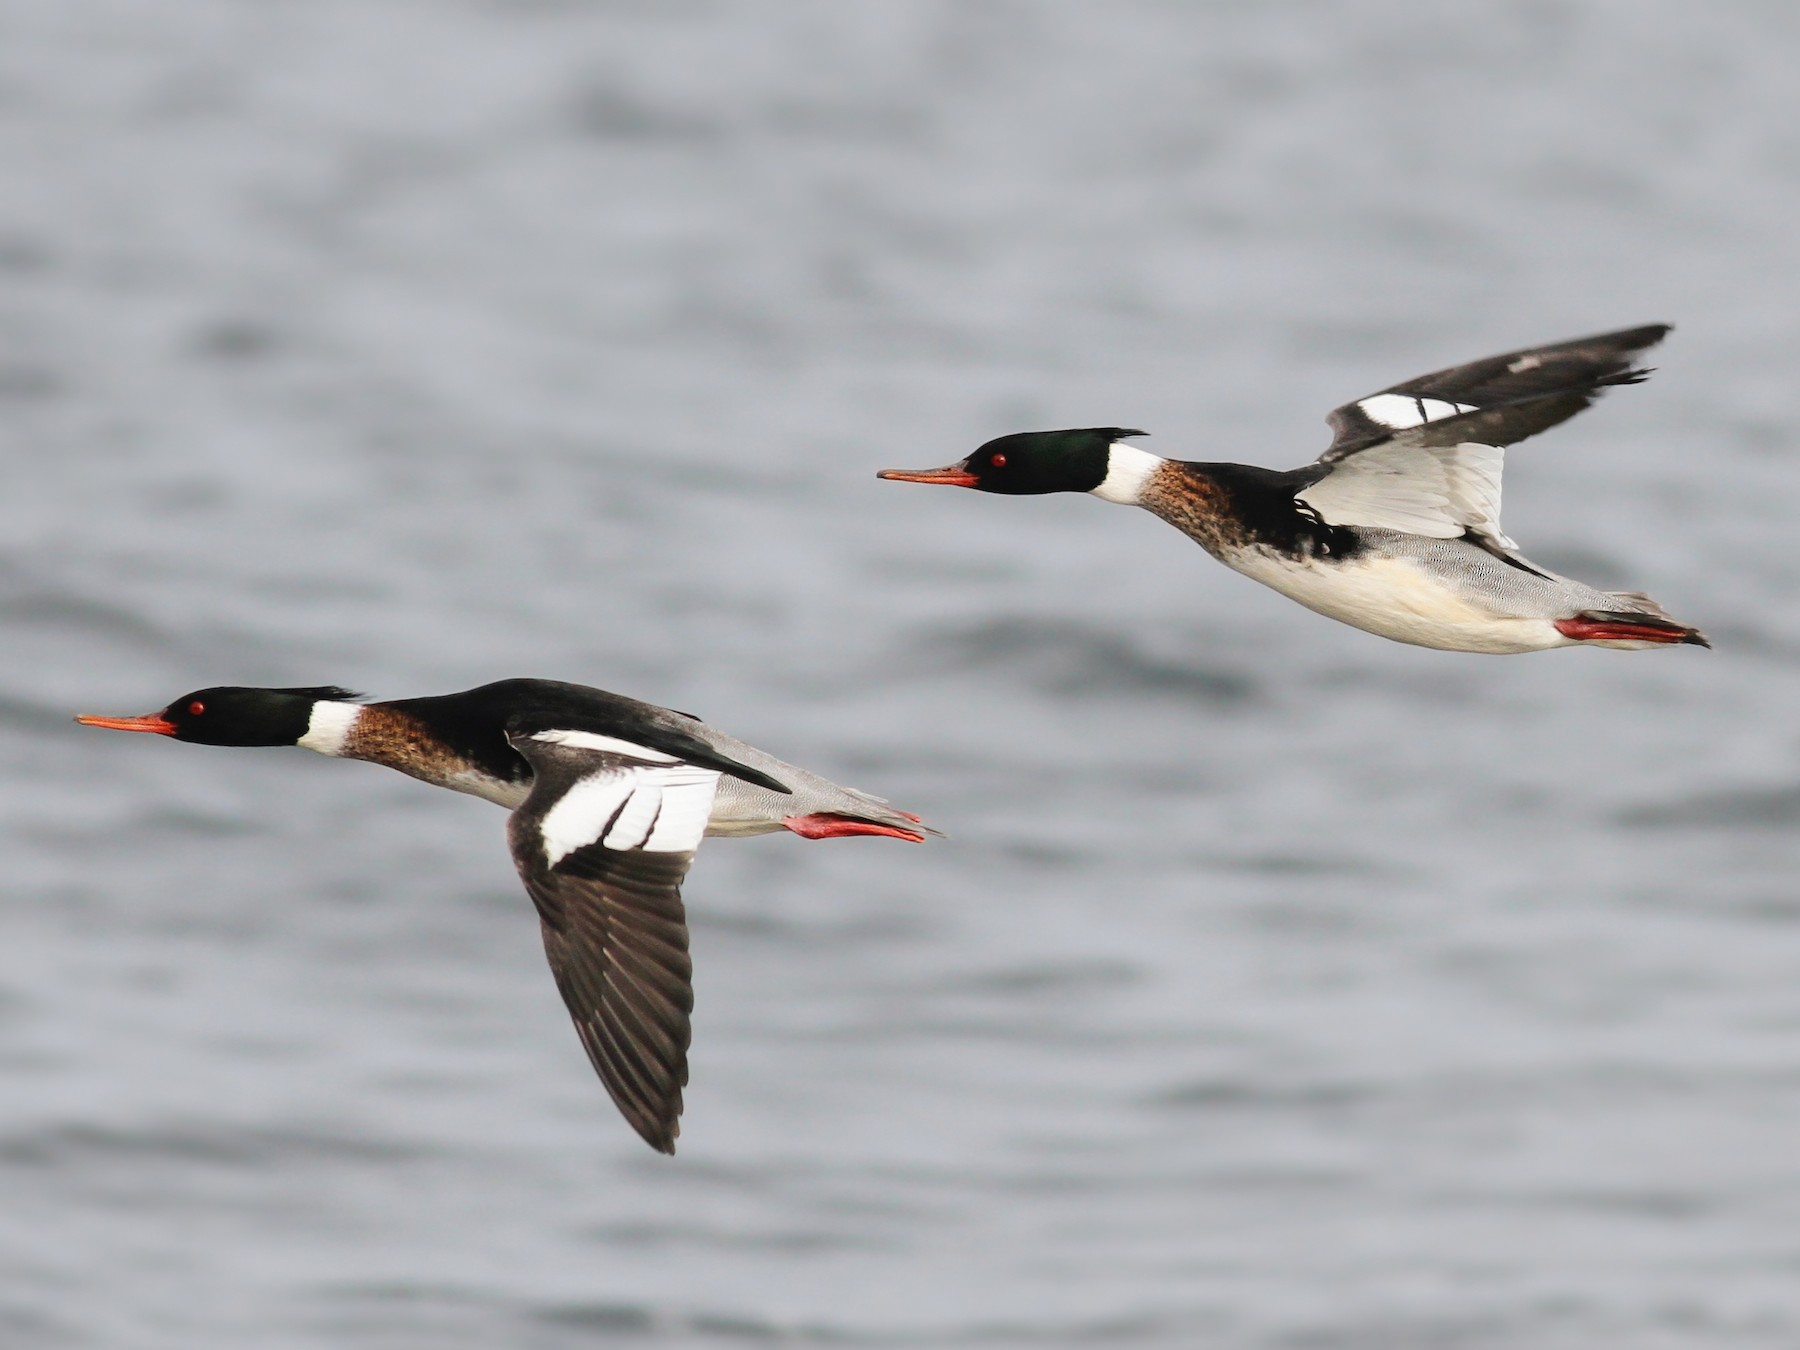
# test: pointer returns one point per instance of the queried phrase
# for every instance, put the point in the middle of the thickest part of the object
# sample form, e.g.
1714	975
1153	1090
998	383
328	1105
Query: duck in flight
1395	529
609	797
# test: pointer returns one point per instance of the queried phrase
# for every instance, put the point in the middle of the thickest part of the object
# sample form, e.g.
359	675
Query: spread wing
1426	456
1496	401
1439	491
602	844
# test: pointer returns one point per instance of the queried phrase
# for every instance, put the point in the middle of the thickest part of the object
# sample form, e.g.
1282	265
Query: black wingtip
656	1129
660	1134
1622	340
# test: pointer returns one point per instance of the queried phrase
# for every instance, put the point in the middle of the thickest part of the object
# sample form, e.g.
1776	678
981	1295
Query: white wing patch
593	740
687	803
1399	411
655	809
636	817
1436	491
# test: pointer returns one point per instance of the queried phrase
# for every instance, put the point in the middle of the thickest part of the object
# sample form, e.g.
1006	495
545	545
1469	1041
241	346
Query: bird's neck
1128	471
478	762
328	730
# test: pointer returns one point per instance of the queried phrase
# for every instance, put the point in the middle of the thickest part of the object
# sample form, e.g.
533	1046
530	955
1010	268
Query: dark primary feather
616	936
1554	383
615	933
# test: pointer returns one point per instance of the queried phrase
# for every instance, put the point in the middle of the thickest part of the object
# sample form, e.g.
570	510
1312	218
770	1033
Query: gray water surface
1278	986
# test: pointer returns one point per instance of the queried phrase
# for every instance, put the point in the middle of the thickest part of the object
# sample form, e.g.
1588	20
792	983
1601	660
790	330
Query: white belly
1401	599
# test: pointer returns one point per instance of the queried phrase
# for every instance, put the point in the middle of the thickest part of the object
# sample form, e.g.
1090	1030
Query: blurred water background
1279	987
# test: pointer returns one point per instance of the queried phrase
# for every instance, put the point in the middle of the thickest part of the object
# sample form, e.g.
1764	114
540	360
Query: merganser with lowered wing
609	797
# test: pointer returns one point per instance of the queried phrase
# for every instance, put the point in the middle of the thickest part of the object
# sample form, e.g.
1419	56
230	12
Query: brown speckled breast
387	735
1198	505
1230	509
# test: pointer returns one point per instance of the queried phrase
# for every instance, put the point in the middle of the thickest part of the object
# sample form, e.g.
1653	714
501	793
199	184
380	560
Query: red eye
998	461
196	708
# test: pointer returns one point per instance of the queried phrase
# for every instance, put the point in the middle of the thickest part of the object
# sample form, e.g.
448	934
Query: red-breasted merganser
609	797
1396	528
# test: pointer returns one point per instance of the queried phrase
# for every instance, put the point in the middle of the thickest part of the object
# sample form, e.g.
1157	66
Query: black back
476	722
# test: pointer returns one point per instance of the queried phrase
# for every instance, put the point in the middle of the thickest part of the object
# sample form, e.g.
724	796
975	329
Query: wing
1495	402
574	710
1439	491
602	844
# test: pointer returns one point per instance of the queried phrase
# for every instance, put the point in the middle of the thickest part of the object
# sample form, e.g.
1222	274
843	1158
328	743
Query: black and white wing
1426	456
1496	401
602	844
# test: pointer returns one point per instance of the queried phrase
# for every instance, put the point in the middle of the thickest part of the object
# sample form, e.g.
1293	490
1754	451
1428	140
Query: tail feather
824	809
1636	602
828	825
1645	624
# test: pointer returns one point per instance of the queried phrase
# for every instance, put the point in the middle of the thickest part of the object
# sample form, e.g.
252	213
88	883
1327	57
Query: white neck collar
329	730
1127	470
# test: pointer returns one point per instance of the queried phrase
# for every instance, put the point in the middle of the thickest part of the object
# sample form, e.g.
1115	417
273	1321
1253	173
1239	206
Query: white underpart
658	810
329	729
1398	598
1399	411
1127	470
593	740
1436	491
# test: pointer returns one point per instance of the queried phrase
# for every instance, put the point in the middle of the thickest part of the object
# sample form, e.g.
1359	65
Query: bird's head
231	715
1029	463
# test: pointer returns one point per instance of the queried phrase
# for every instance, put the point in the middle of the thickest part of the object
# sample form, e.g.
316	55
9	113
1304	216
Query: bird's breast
488	768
